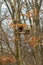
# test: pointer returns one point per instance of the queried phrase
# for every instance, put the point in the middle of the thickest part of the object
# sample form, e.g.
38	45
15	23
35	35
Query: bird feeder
27	30
21	27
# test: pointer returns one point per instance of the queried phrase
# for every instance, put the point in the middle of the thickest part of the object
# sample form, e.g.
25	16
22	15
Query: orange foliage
34	41
6	59
31	13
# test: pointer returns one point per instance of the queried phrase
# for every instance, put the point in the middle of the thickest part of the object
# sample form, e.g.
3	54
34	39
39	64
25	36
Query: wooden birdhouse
21	30
21	27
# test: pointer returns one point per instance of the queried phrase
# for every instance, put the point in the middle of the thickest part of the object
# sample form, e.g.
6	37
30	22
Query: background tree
30	43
